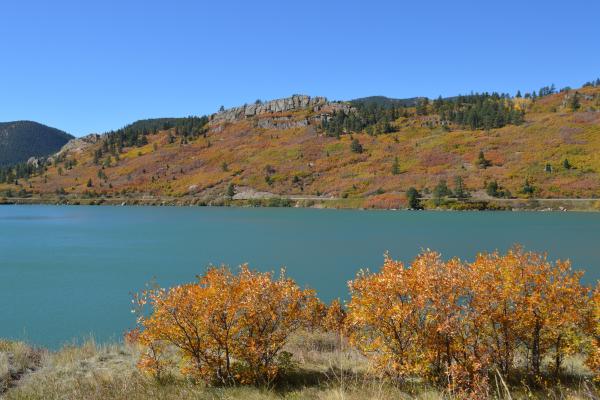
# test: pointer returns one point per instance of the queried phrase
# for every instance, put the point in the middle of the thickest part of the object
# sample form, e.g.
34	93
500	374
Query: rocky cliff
293	103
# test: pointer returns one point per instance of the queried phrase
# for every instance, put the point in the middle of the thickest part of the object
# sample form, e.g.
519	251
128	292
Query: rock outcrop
272	114
79	144
293	103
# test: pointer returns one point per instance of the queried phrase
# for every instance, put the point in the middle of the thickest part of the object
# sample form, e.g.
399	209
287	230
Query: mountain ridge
21	140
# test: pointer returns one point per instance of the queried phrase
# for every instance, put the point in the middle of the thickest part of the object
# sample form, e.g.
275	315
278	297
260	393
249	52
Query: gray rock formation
296	102
268	115
79	144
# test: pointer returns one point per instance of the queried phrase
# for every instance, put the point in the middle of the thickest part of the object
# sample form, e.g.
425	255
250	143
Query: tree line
136	134
474	111
12	173
477	111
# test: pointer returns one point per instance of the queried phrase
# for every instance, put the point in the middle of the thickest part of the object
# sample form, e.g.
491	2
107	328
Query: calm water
66	272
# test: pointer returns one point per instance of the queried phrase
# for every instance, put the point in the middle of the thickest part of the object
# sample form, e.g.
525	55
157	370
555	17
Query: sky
92	66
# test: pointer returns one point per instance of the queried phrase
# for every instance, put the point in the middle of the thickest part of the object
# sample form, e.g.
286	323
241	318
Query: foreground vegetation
324	368
511	325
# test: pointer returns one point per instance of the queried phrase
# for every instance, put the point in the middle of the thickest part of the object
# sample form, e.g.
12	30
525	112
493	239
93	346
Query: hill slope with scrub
363	153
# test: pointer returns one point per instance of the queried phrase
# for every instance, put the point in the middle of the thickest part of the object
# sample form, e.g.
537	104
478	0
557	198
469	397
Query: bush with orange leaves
593	330
458	323
524	303
227	328
334	317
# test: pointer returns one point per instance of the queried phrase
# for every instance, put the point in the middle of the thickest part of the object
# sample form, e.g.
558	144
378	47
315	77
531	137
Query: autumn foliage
459	325
227	328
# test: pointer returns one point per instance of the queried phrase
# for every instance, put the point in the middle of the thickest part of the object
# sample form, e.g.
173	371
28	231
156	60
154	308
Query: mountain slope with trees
465	149
20	140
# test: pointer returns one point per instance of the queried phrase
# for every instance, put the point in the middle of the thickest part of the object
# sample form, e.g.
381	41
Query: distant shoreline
534	204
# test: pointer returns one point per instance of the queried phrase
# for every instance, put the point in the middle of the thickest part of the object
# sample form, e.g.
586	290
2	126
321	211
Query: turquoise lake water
66	272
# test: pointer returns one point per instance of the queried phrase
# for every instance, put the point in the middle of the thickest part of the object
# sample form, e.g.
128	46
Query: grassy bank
323	368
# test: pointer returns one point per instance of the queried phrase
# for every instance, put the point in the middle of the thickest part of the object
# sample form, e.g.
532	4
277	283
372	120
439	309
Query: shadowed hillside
21	140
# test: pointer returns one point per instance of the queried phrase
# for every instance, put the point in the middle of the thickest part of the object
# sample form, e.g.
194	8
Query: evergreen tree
440	191
414	202
355	146
574	102
395	167
567	164
482	162
492	189
528	188
230	190
459	188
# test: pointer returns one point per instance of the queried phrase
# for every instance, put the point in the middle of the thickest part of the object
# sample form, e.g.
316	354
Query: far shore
472	204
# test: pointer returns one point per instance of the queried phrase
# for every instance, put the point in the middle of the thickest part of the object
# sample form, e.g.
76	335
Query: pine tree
395	167
440	191
414	202
482	162
230	190
492	189
528	188
574	102
459	188
355	146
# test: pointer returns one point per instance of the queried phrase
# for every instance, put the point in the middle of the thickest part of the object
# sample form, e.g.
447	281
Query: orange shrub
593	330
523	299
456	323
226	327
335	317
451	322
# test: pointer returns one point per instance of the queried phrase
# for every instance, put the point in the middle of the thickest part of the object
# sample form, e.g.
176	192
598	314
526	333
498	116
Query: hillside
20	140
476	148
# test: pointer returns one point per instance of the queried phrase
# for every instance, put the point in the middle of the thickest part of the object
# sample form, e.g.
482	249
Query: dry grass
16	360
325	369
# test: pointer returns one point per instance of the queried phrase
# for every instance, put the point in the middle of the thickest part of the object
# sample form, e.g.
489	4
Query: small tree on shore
230	190
413	198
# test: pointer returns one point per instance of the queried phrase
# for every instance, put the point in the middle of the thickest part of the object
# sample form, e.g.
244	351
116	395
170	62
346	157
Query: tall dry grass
324	367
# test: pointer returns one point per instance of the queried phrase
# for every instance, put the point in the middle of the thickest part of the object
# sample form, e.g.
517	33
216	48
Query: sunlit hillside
554	152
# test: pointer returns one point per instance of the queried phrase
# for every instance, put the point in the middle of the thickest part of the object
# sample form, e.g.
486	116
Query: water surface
66	272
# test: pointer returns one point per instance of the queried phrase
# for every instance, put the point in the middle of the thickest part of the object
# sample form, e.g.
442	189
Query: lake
66	272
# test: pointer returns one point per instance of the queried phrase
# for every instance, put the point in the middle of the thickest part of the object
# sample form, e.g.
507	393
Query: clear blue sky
90	66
